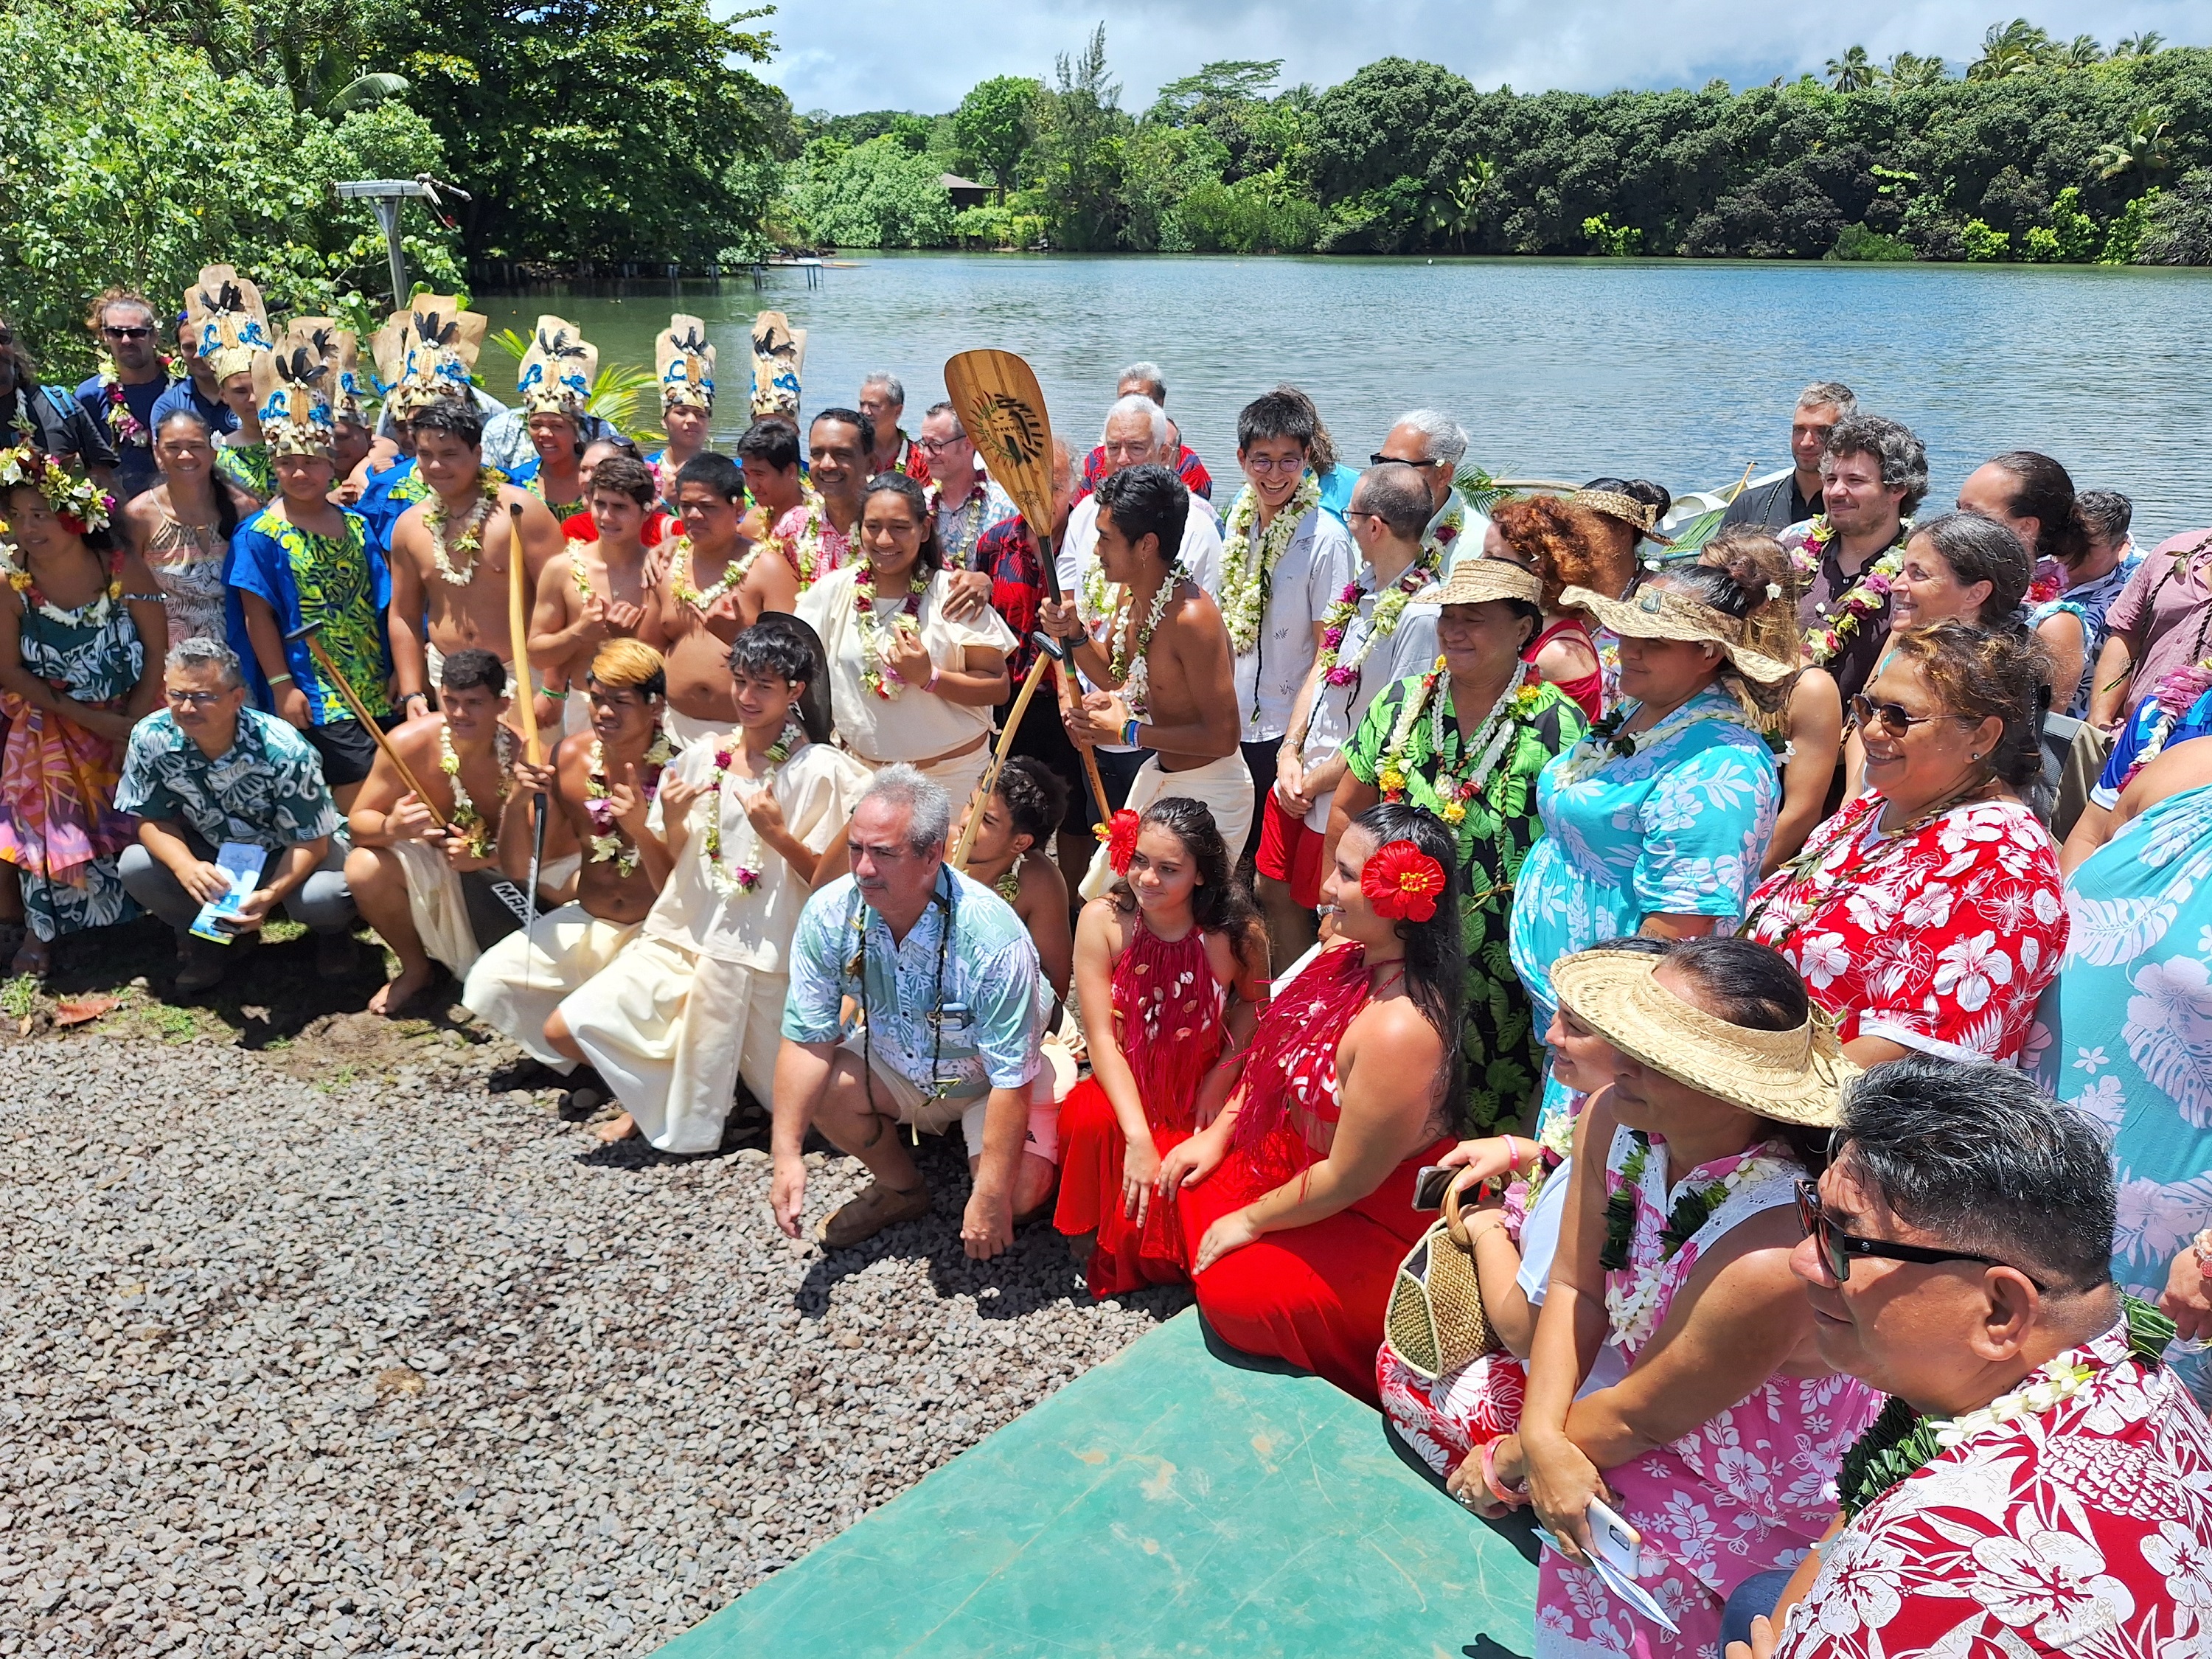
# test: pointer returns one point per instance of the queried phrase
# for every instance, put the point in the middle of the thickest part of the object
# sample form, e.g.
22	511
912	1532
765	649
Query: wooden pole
367	722
990	778
518	628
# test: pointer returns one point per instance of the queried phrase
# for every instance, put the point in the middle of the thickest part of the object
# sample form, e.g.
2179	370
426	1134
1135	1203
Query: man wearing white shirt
1136	434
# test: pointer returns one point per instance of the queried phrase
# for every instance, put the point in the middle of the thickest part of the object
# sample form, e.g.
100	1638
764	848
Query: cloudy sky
853	55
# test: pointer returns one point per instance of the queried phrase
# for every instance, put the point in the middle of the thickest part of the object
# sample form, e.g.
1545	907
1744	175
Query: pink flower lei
1866	598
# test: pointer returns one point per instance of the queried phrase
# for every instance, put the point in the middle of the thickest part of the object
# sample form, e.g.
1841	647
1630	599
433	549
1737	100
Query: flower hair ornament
1402	882
1121	840
81	505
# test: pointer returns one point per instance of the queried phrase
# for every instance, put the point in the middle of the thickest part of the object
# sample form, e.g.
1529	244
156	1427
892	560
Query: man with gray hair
1145	381
1793	497
207	770
2040	1484
1433	445
883	400
944	982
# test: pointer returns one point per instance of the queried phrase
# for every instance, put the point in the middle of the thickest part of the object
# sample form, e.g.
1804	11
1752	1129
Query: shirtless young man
432	894
596	590
1164	661
768	452
600	785
713	586
449	555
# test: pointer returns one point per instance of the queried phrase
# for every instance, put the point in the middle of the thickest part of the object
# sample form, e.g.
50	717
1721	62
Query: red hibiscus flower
1402	882
1121	840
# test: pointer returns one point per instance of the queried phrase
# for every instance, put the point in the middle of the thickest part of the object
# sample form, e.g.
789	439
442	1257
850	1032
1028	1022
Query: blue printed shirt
338	581
266	789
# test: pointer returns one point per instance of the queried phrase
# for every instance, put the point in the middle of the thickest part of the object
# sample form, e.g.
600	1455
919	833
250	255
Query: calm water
1683	371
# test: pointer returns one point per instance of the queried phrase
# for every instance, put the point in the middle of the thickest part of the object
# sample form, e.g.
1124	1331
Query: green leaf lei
1691	1212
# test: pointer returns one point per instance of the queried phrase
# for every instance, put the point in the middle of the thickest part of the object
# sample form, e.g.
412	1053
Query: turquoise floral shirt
266	789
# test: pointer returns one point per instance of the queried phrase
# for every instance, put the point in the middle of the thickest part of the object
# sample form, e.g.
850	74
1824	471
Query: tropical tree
1854	71
1452	211
2015	48
1908	70
1081	135
2145	149
2078	53
2145	45
996	124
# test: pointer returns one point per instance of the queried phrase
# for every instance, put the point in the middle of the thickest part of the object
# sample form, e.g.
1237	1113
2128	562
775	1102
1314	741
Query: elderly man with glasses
207	770
2040	1483
1433	444
969	503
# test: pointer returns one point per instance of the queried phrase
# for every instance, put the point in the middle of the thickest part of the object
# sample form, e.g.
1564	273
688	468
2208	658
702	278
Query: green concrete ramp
1164	1503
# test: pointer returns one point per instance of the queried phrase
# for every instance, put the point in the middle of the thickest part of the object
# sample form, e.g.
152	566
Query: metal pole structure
387	195
387	215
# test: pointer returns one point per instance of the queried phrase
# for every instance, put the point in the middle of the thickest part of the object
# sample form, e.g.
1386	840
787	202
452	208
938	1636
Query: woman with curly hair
1172	968
1567	547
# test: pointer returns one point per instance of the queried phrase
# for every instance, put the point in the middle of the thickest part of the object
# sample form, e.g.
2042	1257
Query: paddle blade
1003	412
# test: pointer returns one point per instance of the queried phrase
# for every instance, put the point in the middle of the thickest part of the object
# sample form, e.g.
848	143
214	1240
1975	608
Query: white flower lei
481	835
681	582
1602	744
1632	1311
1246	574
610	844
469	544
2042	1388
1127	662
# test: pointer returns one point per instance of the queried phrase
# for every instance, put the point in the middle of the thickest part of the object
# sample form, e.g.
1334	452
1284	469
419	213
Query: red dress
1167	1016
1587	690
1313	1294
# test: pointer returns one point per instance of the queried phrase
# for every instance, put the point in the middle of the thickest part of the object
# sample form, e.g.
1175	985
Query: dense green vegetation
2044	150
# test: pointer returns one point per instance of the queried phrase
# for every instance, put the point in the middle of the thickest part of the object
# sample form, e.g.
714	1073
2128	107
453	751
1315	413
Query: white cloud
874	54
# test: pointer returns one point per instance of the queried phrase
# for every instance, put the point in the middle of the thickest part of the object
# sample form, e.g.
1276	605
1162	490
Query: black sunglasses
127	333
1399	460
1838	1246
1893	718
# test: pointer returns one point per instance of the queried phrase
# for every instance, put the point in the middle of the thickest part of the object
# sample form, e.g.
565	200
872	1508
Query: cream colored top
914	725
818	788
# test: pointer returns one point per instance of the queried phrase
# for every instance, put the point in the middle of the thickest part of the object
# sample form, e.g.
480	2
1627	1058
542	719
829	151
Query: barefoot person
685	363
1153	639
1174	970
944	981
434	895
815	536
693	1006
711	585
450	552
600	784
596	590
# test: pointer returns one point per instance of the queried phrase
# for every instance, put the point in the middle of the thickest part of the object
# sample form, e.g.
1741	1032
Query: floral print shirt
1940	941
266	789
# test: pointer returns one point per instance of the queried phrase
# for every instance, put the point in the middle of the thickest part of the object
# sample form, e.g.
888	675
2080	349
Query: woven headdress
686	365
292	388
557	370
227	315
347	388
779	354
427	352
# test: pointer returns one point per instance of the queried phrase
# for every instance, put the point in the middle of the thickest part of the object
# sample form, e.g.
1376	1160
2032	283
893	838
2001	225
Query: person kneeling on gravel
945	981
207	770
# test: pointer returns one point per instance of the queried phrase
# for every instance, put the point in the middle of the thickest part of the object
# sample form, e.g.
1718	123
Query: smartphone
1613	1541
1429	1184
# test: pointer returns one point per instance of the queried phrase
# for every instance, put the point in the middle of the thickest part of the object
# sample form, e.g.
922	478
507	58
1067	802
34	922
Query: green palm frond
364	90
1479	490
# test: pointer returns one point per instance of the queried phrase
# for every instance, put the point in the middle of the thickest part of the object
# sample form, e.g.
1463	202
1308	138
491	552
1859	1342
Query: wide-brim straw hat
1642	517
1791	1077
1661	613
1479	580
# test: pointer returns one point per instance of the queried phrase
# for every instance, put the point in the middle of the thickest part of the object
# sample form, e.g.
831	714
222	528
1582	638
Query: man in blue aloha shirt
208	770
946	982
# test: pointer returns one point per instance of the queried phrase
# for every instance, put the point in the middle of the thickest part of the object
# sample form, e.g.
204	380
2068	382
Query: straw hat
227	313
1641	516
779	354
340	352
1480	580
556	372
291	391
427	352
1791	1077
1654	613
685	363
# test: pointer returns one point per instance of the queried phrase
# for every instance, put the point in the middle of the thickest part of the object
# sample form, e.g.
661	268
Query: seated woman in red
1170	967
1298	1199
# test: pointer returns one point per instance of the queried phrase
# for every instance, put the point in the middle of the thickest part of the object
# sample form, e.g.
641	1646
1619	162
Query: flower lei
747	878
126	427
607	842
1632	1309
1127	664
1868	596
1246	574
470	543
479	836
81	505
1337	669
1605	742
1454	787
874	676
685	589
806	552
1402	882
1900	1442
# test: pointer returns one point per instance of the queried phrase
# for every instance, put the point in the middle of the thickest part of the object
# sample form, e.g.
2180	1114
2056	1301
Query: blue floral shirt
978	1020
266	789
339	581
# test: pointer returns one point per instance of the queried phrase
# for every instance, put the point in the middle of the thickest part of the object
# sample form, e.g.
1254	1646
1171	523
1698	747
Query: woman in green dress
1467	741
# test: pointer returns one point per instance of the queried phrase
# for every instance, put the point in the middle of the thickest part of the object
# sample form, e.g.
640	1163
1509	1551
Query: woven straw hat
779	358
232	326
1661	613
291	388
1640	516
1791	1077
557	370
1479	580
685	364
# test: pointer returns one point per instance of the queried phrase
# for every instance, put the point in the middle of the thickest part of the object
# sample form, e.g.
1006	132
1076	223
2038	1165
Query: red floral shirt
1940	941
1192	471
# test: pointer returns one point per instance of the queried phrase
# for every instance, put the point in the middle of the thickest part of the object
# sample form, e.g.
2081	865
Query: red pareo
1168	1016
1313	1294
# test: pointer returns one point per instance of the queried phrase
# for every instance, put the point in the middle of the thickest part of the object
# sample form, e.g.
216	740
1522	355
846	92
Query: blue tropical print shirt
266	789
339	581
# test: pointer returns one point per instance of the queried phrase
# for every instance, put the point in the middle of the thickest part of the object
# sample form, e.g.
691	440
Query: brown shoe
877	1206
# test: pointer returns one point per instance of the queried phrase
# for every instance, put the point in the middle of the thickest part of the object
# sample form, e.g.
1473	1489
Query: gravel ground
299	1363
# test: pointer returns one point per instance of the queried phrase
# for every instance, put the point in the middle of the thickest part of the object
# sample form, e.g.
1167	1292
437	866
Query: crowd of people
1786	941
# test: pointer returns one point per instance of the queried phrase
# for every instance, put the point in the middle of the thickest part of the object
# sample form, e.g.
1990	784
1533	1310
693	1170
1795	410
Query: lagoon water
1679	370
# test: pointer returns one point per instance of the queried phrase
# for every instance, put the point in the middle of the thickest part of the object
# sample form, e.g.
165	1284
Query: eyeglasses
1838	1246
114	333
1399	460
1895	718
938	445
196	699
1294	466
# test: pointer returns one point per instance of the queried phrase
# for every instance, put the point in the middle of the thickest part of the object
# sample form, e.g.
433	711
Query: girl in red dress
1298	1199
1170	969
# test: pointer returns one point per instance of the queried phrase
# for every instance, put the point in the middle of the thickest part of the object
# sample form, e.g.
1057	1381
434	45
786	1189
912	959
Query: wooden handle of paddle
353	701
990	780
518	629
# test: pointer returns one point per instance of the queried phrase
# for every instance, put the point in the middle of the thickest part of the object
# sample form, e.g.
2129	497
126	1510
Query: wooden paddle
308	631
1002	410
1049	651
518	629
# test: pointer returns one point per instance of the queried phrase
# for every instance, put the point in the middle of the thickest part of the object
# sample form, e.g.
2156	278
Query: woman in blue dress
1656	821
2125	1034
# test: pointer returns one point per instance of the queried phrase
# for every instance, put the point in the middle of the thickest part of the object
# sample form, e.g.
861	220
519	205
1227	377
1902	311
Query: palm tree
2145	45
2008	49
2078	53
1453	212
1910	70
2146	148
1853	72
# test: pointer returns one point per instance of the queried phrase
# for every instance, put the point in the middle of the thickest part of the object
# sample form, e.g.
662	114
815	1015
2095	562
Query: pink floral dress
1748	1491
